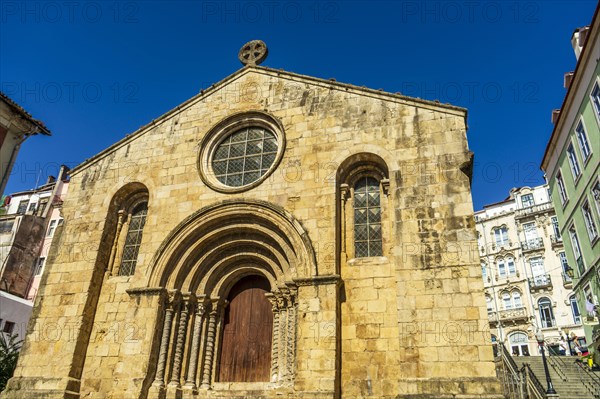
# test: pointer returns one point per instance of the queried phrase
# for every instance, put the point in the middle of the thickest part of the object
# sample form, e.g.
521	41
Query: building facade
572	166
526	276
27	227
16	125
273	236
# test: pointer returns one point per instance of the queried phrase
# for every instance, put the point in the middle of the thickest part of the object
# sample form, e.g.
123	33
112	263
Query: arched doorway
247	332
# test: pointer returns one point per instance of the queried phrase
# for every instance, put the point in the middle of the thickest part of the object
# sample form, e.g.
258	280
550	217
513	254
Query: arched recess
350	170
121	204
200	262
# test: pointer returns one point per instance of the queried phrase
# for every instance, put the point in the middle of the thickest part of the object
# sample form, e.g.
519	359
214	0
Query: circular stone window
240	152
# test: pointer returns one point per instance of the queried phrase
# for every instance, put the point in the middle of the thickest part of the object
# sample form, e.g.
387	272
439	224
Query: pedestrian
562	346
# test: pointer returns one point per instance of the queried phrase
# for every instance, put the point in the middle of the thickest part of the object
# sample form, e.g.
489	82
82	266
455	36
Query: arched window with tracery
133	239
129	212
367	218
363	190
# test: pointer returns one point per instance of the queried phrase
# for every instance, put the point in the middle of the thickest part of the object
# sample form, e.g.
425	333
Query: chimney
568	79
555	115
578	39
51	179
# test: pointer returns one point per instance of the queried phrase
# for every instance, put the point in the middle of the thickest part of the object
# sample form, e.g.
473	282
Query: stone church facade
277	235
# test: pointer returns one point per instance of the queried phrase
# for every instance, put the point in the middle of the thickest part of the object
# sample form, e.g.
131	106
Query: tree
9	353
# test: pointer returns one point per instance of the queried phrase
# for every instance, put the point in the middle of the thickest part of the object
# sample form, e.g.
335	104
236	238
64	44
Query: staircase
570	380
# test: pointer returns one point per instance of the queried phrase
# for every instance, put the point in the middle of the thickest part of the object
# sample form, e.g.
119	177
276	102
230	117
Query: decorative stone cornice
318	280
147	291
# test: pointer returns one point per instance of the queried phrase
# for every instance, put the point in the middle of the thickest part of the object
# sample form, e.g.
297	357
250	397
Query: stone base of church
41	388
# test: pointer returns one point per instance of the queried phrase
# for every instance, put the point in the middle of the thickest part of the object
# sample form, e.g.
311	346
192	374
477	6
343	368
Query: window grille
133	240
367	218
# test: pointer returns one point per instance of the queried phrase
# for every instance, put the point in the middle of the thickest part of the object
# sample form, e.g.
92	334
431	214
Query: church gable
275	235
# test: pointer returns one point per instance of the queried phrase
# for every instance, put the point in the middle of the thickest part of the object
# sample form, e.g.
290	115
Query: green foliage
9	353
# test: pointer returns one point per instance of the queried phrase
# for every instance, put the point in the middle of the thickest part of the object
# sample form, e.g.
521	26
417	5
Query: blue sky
95	71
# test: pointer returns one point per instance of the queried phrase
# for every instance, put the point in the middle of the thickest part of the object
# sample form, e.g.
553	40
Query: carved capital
385	186
344	192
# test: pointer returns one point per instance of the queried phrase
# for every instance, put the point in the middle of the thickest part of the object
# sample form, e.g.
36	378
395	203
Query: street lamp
569	271
539	336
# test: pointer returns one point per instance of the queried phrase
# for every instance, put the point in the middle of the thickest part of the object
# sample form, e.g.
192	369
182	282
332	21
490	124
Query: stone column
171	305
210	344
291	334
187	305
344	195
275	344
190	381
113	252
281	361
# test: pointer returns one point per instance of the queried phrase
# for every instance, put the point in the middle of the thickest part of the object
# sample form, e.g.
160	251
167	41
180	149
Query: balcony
556	241
509	315
539	282
567	281
533	210
533	244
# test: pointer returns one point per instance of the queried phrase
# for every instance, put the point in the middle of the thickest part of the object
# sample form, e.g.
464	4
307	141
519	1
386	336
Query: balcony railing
556	241
531	210
541	281
508	315
567	281
533	244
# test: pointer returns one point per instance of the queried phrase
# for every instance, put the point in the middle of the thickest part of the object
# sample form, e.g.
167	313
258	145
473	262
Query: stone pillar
210	344
275	344
187	305
190	381
344	195
291	334
171	305
113	252
282	369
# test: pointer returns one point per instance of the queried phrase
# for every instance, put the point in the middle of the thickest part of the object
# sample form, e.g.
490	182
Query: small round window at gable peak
240	152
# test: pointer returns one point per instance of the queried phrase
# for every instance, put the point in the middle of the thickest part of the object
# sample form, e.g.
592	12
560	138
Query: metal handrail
537	390
595	387
512	378
559	368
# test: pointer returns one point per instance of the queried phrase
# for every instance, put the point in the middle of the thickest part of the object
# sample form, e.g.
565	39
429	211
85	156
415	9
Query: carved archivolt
200	262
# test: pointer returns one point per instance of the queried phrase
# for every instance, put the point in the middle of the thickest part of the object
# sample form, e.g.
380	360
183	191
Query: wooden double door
247	333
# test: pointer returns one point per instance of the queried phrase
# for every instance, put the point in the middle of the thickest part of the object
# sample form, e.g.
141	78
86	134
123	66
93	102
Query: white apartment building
525	272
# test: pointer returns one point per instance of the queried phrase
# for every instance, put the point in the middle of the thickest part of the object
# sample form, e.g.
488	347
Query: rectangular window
9	327
484	271
573	162
527	200
530	231
595	97
22	207
563	261
51	228
42	206
501	235
555	227
40	265
6	226
596	195
590	225
32	207
512	270
582	139
576	250
501	268
561	188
